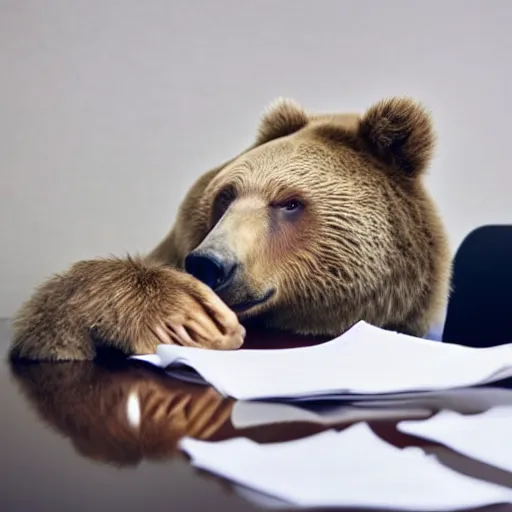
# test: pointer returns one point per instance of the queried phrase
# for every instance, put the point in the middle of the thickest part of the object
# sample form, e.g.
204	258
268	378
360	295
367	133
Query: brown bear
322	222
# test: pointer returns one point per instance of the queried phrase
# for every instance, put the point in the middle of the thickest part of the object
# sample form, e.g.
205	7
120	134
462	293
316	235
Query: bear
323	221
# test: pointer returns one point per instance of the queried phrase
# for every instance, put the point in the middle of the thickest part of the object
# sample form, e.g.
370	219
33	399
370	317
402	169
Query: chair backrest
479	312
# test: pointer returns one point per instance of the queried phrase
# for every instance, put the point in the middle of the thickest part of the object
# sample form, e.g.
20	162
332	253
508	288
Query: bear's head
325	221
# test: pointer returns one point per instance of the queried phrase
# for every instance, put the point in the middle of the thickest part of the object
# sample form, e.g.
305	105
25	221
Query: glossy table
67	443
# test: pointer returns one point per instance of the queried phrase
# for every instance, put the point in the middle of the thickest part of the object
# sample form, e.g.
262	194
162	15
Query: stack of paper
352	468
484	437
364	361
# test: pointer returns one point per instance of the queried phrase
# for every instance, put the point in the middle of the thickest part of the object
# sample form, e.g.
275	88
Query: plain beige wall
110	109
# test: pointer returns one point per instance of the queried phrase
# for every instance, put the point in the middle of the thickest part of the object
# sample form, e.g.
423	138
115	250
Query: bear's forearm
105	296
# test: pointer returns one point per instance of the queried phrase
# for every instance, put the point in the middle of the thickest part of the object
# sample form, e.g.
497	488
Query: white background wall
109	109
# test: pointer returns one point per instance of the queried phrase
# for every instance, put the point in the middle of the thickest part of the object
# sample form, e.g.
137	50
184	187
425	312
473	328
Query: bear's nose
213	269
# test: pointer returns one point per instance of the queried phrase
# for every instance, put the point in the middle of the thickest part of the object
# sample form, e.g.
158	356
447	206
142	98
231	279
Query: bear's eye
291	205
222	202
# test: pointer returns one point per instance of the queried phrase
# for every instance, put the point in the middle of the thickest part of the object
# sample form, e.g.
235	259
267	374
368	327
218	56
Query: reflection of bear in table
324	221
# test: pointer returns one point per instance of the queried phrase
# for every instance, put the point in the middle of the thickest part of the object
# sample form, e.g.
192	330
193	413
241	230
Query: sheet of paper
247	414
352	468
365	360
484	437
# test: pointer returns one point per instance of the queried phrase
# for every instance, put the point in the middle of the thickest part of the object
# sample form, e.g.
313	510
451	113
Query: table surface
66	443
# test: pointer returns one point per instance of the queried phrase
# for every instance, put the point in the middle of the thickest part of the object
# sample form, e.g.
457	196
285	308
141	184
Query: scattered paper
365	360
484	437
352	468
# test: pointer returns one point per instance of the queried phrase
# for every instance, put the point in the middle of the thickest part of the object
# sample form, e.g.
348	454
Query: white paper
365	360
352	468
484	437
246	414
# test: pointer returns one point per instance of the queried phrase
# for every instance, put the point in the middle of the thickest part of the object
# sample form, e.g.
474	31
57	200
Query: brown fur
367	245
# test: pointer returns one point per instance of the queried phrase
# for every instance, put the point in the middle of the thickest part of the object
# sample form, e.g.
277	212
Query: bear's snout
211	267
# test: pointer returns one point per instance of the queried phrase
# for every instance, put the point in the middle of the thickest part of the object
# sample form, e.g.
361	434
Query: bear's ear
281	118
399	132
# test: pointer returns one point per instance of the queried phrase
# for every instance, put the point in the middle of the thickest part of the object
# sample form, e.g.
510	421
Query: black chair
479	312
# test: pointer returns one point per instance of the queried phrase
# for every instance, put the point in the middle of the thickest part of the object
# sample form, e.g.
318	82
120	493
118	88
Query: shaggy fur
329	223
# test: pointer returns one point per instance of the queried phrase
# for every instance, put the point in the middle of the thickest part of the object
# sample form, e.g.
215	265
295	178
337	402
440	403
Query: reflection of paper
484	437
365	360
260	499
353	468
255	414
466	400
